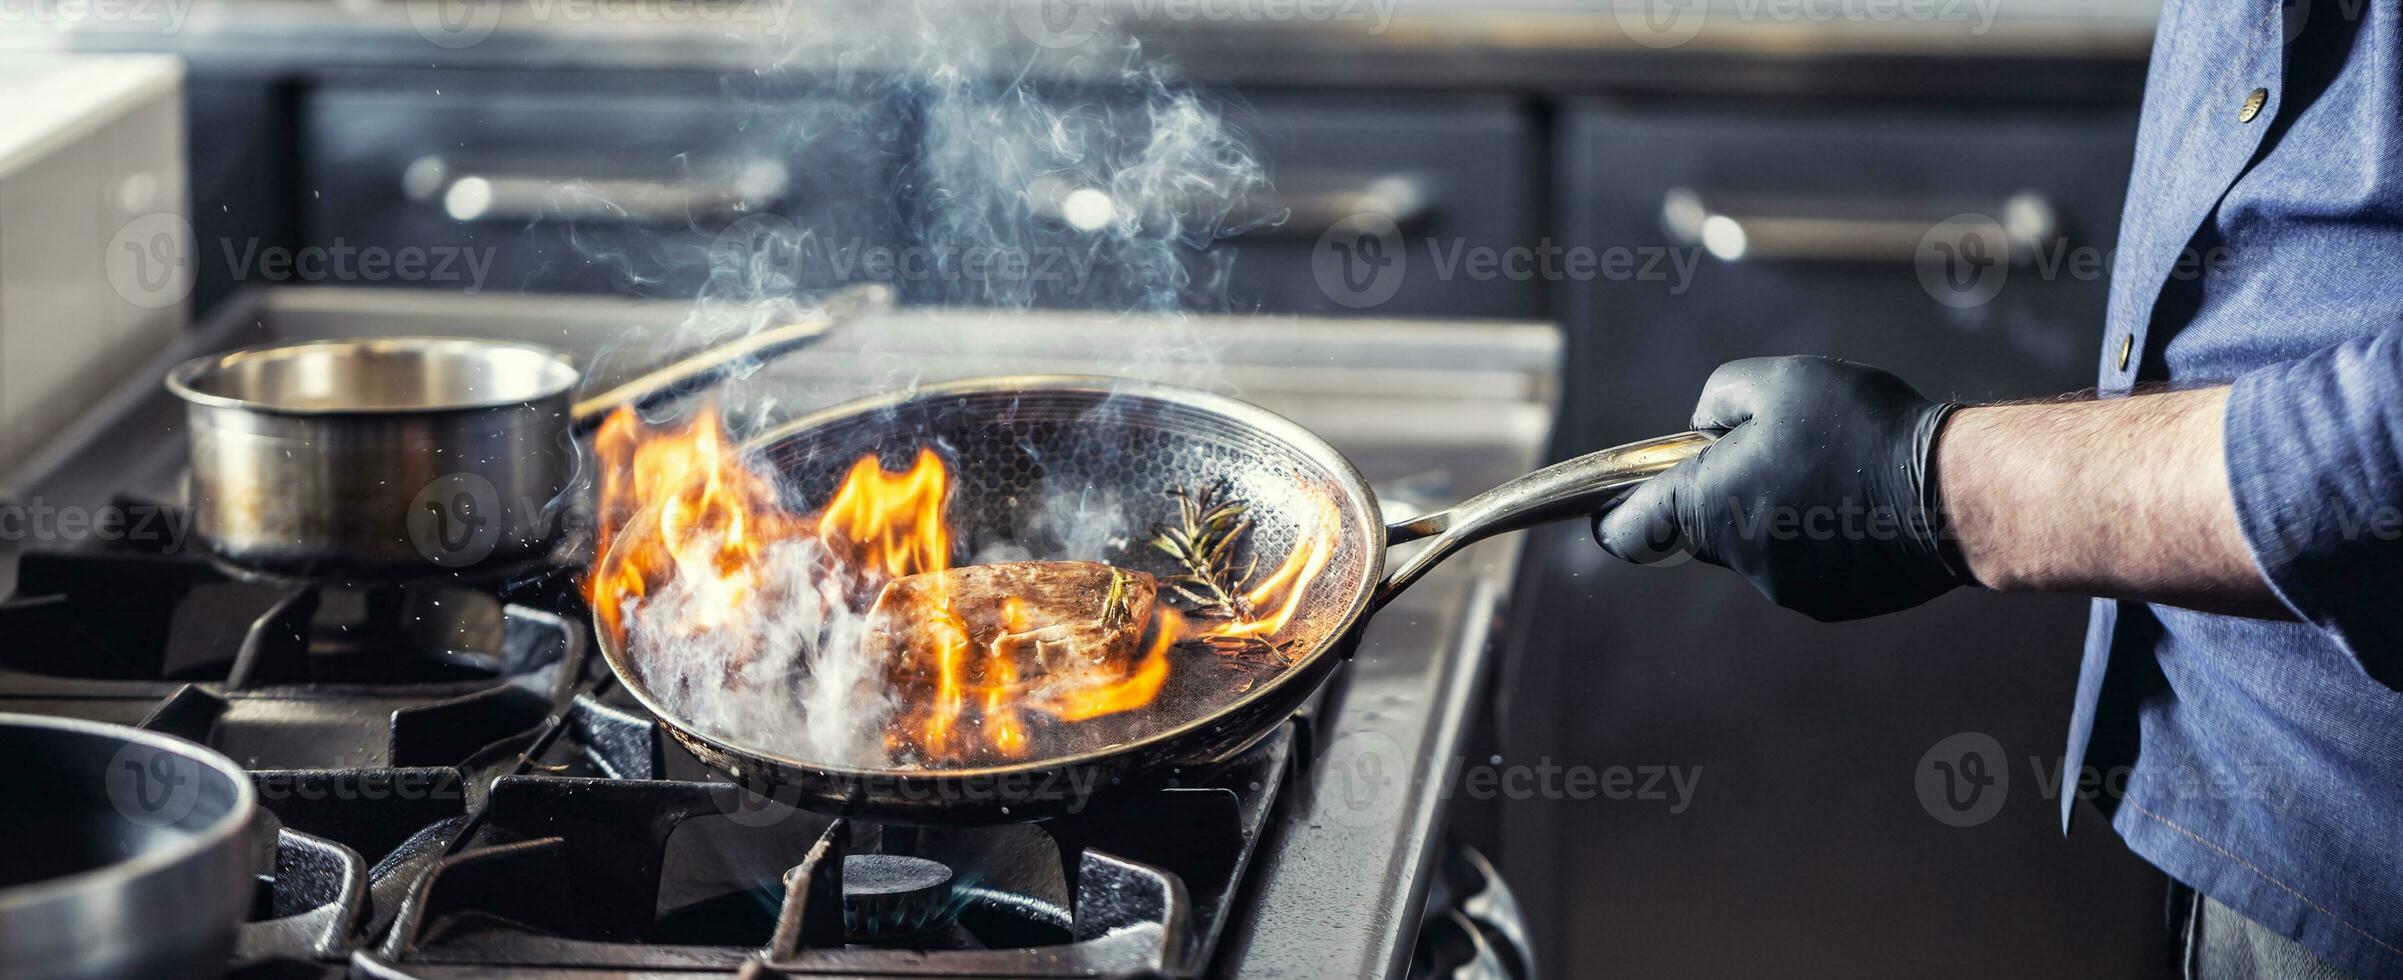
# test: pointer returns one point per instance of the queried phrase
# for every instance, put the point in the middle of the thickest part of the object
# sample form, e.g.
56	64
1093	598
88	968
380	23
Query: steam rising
791	679
1010	169
967	155
1073	523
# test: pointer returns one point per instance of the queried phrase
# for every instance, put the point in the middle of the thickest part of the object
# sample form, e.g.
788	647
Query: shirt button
2127	345
2253	102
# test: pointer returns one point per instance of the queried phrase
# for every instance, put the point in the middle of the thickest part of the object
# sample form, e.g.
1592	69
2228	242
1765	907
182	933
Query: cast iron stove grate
370	721
616	877
458	792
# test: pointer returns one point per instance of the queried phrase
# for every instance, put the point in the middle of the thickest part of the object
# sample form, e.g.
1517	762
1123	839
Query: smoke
970	154
792	677
1076	522
971	159
1103	199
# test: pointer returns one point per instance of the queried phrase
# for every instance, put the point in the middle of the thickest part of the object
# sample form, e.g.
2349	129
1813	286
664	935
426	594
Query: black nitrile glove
1818	493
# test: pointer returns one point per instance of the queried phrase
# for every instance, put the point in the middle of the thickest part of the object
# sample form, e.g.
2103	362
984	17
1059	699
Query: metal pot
132	854
400	457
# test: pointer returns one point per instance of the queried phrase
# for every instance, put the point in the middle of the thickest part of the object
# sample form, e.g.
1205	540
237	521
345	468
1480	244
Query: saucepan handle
1573	488
725	359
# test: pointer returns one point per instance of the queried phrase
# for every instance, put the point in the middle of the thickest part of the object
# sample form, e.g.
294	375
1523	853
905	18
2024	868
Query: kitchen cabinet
1806	842
559	182
1816	189
1454	173
607	184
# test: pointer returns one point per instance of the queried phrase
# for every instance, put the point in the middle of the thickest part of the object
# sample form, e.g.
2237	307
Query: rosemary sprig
1254	648
1204	542
1117	607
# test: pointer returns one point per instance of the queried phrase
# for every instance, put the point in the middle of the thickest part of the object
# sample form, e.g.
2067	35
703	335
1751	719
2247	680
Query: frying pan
1018	447
404	457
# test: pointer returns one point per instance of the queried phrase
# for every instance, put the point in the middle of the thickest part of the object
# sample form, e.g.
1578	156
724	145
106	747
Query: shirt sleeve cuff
2312	465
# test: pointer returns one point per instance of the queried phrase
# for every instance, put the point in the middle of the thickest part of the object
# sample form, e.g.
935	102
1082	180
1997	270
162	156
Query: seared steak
1044	616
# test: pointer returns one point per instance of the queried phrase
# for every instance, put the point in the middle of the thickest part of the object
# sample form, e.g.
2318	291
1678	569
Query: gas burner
894	897
132	617
576	877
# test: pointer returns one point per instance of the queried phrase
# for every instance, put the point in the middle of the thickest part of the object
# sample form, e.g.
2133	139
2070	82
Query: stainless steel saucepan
400	457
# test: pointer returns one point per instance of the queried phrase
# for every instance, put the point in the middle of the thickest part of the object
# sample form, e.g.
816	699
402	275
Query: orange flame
893	523
1136	689
715	515
1004	727
1280	592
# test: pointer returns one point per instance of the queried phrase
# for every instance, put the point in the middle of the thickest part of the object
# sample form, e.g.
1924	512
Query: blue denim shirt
2262	762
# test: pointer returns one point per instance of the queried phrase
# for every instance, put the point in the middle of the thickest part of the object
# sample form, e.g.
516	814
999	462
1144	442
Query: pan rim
1350	485
235	822
183	379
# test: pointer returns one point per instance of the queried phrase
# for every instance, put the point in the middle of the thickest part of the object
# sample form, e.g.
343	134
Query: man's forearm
2125	498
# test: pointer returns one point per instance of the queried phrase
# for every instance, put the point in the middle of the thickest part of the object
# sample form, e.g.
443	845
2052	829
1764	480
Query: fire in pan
980	600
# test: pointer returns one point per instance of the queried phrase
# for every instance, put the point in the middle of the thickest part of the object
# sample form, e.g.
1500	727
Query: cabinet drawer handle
1734	228
1313	203
494	196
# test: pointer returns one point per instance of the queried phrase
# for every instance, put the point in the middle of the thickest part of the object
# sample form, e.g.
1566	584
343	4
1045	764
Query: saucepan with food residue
986	599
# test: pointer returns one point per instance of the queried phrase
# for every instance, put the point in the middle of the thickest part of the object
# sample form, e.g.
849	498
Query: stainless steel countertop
1430	411
1553	46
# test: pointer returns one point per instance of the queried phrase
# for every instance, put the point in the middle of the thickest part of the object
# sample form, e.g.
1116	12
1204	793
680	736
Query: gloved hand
1818	493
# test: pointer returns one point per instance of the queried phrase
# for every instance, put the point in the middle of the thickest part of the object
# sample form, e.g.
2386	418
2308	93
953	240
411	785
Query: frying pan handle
721	361
1573	488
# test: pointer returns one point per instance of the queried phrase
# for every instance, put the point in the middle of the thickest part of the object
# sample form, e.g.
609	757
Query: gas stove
459	790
